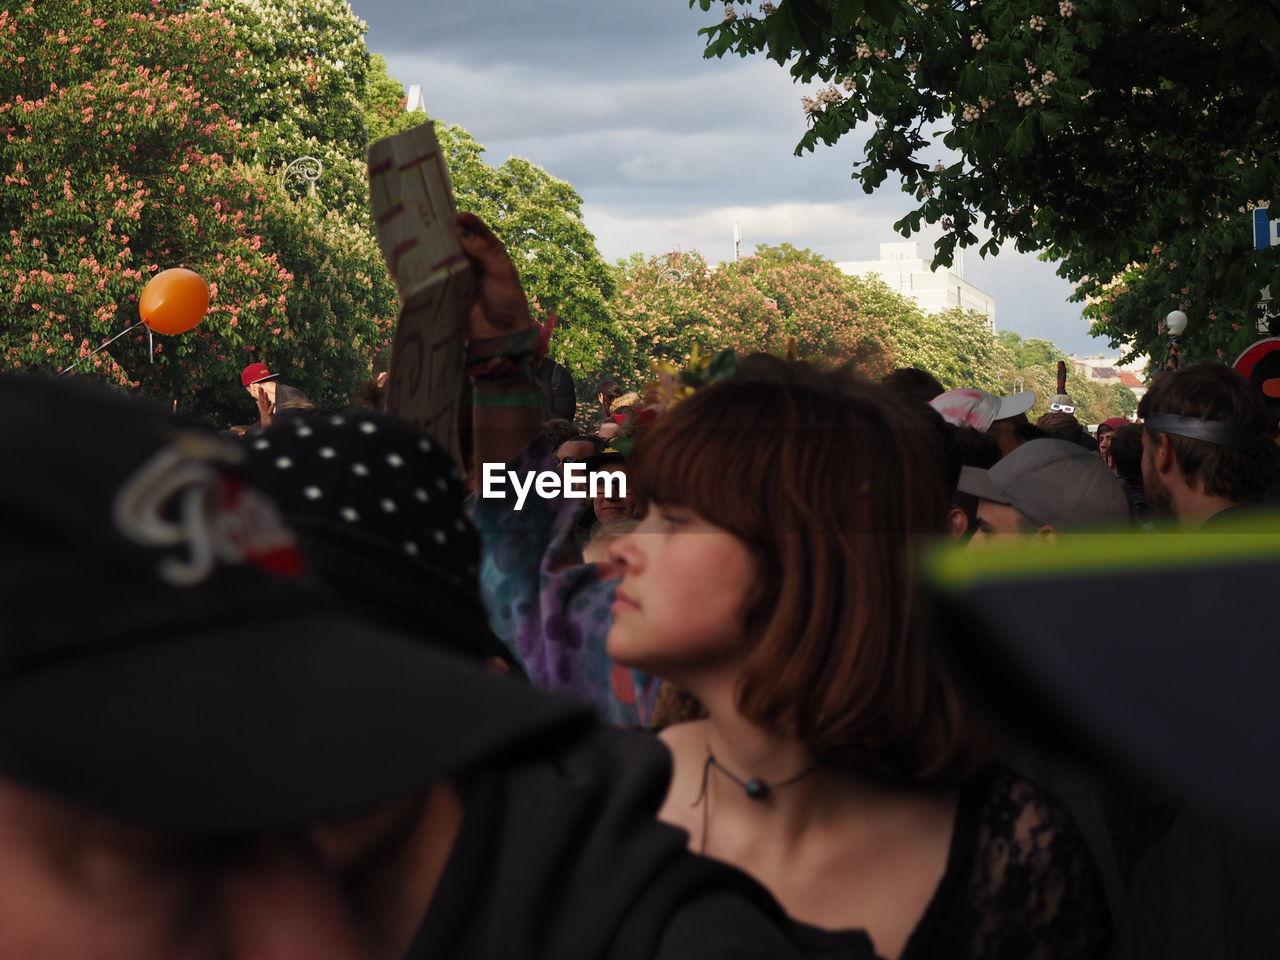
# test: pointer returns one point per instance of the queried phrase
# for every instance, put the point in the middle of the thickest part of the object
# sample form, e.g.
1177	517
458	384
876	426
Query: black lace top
1019	883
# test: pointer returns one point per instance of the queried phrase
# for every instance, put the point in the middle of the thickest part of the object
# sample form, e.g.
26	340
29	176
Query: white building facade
902	267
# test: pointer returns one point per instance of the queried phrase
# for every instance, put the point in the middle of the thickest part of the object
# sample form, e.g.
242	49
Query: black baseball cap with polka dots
378	508
166	658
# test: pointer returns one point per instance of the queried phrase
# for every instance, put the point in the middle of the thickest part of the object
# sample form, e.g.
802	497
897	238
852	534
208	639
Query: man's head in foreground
200	756
1043	488
1206	443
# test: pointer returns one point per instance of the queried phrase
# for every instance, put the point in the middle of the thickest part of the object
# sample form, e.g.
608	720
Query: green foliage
1042	379
1118	401
1127	141
820	309
1094	401
669	304
539	218
308	73
787	253
126	152
956	346
1034	366
384	102
139	135
1030	352
782	296
779	299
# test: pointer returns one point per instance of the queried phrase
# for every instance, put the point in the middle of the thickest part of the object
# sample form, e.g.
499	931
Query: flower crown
674	384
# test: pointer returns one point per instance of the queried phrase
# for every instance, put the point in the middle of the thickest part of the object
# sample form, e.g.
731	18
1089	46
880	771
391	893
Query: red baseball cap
255	373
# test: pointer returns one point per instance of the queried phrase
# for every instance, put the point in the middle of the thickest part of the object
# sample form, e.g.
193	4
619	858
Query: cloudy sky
667	149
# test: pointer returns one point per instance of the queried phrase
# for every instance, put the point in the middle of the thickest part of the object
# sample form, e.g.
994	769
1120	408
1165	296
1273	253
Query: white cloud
839	231
513	102
668	149
579	38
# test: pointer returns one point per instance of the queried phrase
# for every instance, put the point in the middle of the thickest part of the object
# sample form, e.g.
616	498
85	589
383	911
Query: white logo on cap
216	518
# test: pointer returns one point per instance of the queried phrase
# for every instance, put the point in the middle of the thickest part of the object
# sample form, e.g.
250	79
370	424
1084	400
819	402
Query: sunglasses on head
1062	408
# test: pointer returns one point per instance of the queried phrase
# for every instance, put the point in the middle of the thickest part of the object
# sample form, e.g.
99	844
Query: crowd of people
300	691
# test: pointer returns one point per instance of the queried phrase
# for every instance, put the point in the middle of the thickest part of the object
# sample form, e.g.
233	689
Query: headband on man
1211	431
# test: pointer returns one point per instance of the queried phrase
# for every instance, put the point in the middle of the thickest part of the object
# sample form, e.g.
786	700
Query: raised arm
501	339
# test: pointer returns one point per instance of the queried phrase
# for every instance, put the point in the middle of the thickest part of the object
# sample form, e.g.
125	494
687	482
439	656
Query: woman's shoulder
1022	876
1008	807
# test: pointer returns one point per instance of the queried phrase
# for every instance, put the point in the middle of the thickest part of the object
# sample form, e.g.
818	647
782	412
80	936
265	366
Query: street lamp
671	272
671	275
1175	325
306	169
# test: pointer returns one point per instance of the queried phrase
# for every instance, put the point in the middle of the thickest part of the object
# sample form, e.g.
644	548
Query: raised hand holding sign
413	209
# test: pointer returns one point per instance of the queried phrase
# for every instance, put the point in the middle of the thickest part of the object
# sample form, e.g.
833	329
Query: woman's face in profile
684	587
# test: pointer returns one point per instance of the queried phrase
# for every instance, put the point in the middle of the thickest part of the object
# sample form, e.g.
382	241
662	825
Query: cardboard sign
413	210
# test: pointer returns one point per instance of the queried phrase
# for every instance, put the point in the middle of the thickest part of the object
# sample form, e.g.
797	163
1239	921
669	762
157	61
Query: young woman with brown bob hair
772	579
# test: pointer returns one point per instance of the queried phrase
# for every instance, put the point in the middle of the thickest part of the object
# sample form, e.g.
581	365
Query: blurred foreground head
197	747
378	509
1177	682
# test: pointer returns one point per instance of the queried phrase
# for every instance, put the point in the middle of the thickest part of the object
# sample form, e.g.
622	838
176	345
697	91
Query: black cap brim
281	725
977	483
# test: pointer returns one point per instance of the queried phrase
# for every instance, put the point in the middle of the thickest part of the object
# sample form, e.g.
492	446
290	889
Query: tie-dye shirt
552	614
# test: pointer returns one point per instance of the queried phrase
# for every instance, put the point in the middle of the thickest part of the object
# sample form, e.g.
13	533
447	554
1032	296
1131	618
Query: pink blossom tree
775	300
124	154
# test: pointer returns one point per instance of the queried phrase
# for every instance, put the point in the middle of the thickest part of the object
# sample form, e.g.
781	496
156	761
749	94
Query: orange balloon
174	301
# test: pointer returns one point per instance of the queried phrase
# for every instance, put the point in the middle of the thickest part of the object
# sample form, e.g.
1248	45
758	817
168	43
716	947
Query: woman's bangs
699	456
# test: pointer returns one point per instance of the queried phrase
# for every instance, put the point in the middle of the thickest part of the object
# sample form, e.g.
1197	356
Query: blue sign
1266	232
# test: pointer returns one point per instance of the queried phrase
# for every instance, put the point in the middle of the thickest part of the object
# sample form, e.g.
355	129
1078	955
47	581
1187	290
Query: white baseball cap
979	409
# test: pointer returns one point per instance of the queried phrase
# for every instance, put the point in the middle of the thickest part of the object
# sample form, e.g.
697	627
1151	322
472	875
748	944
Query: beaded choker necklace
755	788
